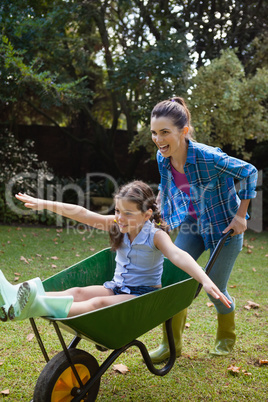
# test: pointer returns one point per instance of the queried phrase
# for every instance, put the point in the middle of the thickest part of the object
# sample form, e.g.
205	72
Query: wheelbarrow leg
67	353
39	340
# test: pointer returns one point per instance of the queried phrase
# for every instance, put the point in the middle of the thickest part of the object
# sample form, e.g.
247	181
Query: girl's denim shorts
134	290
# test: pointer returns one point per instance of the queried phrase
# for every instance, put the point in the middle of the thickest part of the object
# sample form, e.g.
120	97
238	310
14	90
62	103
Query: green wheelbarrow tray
73	374
115	326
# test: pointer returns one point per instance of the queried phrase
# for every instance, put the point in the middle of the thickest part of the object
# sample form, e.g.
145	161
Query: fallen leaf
187	325
38	255
252	304
234	369
1	363
233	286
262	361
266	255
16	278
24	259
254	269
5	392
247	307
30	337
17	274
53	266
210	304
249	251
121	368
92	249
246	373
54	258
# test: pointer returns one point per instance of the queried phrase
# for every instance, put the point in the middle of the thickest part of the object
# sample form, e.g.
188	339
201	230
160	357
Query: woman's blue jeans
189	239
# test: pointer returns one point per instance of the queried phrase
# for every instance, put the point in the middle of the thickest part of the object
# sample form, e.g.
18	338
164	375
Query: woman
198	195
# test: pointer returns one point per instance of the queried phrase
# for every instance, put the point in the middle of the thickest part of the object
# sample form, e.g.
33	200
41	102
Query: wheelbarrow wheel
57	382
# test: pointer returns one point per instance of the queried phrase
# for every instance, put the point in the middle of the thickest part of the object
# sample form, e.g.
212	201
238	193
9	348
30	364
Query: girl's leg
81	294
96	303
222	269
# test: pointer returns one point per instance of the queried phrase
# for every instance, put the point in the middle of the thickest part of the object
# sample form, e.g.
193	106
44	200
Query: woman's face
167	137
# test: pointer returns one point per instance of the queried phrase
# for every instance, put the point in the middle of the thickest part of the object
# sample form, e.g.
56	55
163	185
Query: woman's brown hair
176	110
143	196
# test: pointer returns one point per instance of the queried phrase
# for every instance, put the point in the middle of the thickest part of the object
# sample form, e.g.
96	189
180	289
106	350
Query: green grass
196	375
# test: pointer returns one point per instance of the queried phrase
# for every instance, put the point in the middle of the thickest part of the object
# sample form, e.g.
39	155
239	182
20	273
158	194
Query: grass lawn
196	375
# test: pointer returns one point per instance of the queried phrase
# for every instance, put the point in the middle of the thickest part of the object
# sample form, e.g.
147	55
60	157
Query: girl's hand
215	292
31	202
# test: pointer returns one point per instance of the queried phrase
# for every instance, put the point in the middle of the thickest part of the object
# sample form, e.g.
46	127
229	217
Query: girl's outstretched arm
184	261
71	211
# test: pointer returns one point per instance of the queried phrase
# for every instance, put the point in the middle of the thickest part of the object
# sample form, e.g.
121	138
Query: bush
19	165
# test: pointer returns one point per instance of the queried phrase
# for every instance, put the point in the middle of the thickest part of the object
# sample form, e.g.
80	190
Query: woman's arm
71	211
184	261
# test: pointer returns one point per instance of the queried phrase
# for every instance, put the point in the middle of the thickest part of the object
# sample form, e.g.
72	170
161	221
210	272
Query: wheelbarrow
73	374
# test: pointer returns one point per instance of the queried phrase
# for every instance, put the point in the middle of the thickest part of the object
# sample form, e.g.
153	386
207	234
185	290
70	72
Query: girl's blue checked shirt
210	173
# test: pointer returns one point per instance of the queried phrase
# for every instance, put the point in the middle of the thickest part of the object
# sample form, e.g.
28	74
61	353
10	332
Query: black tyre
57	382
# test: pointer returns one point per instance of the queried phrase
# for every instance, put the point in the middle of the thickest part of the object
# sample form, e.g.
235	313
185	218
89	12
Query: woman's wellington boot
162	352
225	338
32	302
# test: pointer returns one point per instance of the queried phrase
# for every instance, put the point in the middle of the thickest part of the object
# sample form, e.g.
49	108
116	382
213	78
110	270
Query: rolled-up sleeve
245	172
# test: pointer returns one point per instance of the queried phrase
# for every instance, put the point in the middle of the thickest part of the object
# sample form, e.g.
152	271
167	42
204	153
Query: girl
197	194
136	235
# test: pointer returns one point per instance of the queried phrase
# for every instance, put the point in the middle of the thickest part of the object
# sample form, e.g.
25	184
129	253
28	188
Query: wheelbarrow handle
214	256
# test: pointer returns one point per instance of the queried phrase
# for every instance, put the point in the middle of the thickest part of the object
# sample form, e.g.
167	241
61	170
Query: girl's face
167	137
129	218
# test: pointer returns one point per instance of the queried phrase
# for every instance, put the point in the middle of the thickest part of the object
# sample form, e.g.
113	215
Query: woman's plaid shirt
211	174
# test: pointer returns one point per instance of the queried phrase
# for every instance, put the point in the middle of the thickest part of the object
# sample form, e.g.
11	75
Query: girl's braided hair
143	196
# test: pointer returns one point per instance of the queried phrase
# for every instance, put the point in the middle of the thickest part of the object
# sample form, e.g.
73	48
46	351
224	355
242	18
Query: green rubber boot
178	325
8	294
225	338
32	302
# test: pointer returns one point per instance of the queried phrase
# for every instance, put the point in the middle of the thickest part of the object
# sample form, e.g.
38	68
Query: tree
101	65
228	107
216	25
111	56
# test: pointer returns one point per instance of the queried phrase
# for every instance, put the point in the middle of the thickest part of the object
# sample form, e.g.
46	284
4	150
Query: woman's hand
31	202
239	222
215	292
